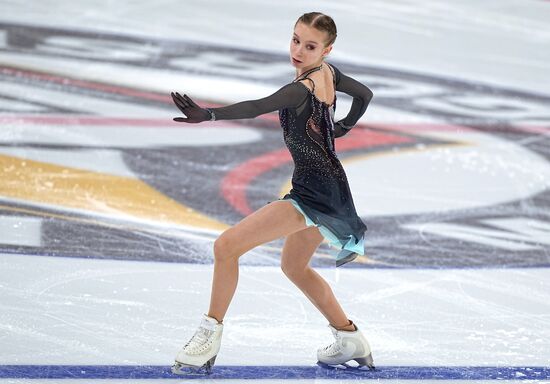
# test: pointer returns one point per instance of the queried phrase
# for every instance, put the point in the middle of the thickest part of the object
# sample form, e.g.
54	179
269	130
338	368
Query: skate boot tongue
209	323
335	347
334	331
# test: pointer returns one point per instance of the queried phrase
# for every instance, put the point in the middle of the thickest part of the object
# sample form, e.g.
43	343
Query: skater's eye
310	47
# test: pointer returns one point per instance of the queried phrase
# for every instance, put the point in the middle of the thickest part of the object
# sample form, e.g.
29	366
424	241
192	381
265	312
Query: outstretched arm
290	95
361	94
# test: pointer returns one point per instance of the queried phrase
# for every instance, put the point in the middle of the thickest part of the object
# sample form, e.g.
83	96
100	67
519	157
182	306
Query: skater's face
307	46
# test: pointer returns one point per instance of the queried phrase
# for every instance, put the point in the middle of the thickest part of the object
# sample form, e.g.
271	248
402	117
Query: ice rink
109	209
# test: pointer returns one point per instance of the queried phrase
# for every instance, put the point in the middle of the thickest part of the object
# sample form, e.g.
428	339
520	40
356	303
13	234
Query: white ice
79	311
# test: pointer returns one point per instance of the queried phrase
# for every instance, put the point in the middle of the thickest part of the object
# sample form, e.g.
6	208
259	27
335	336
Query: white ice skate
349	345
199	354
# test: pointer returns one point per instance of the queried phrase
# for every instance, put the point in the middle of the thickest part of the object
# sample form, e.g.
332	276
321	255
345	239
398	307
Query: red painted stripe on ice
363	138
13	71
534	128
436	127
236	182
88	120
420	127
112	121
127	91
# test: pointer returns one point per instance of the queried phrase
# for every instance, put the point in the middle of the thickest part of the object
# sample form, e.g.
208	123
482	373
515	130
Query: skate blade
193	370
364	364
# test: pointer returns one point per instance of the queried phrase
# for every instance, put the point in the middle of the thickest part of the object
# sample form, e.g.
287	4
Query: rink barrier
275	372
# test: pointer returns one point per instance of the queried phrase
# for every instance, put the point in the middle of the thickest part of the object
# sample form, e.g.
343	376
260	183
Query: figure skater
319	205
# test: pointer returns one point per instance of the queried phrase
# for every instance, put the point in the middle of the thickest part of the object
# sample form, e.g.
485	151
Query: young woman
319	205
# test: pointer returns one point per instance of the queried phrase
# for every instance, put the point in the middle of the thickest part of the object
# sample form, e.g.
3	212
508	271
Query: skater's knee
223	247
293	271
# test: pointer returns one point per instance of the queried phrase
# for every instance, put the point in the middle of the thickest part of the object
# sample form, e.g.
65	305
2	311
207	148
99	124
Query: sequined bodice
309	136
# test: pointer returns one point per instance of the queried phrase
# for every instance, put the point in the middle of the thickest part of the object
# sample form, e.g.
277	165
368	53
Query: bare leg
272	221
297	252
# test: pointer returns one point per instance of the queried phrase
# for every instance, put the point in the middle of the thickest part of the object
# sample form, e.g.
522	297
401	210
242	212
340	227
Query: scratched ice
108	209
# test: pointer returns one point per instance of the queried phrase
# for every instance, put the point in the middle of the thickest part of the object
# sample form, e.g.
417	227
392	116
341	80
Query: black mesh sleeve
290	95
362	96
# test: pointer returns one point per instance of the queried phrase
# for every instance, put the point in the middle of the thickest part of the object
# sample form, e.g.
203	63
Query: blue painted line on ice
274	372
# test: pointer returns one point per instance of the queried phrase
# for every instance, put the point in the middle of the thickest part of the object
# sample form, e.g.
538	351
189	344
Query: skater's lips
299	61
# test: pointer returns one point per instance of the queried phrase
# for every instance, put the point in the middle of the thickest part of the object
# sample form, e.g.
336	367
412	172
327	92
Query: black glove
194	113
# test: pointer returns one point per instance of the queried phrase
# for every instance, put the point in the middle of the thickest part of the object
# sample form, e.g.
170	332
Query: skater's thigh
298	249
272	221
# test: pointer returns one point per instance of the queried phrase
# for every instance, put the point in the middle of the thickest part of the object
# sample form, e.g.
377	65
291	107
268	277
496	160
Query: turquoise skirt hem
349	250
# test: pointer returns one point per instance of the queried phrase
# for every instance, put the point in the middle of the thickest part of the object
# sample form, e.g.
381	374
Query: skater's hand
340	129
194	113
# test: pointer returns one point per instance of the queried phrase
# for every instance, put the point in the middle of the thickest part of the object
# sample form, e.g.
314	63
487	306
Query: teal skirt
349	245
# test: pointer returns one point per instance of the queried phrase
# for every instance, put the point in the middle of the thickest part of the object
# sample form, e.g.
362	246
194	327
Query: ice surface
121	312
448	167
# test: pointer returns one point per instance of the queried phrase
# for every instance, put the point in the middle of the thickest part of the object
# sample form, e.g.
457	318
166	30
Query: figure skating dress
320	189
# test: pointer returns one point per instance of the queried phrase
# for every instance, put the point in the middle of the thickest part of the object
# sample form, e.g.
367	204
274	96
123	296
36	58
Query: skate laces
201	340
334	348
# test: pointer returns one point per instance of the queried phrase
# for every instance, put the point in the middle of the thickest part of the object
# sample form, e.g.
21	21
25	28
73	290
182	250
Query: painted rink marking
283	372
